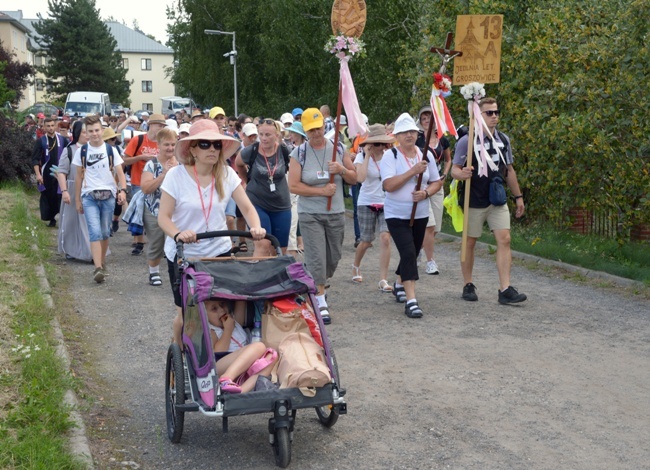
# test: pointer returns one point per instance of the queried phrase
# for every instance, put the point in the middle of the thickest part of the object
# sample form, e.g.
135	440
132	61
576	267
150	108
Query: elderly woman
309	177
370	205
153	175
442	155
264	167
194	197
73	238
400	169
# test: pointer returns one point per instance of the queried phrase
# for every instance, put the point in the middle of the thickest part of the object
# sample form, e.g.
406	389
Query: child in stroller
239	362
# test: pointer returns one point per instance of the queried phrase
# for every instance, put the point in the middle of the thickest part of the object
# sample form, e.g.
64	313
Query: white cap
365	118
172	124
185	127
144	114
343	120
405	123
286	117
249	129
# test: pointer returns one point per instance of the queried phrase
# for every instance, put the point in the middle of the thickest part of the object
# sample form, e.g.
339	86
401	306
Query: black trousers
408	241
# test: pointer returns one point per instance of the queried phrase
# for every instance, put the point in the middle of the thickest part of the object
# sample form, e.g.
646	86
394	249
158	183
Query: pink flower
341	43
341	55
354	48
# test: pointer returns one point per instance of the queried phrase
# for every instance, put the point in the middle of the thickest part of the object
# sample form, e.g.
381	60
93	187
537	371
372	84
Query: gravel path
558	382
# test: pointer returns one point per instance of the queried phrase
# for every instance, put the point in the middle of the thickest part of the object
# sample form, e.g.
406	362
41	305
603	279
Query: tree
83	53
16	76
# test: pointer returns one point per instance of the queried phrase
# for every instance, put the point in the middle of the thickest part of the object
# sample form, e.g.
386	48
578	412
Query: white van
171	104
83	103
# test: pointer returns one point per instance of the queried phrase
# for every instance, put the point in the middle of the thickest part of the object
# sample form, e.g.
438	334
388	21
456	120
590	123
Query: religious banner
478	37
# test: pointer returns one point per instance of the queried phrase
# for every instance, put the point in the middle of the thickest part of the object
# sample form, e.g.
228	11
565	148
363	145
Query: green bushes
16	147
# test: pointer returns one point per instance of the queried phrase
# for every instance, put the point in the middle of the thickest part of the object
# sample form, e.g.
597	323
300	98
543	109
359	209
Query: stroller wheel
282	447
175	393
328	415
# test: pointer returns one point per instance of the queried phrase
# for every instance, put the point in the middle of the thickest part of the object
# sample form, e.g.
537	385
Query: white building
144	59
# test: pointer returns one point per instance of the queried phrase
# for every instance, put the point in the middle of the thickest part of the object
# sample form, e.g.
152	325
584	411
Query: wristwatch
514	198
122	190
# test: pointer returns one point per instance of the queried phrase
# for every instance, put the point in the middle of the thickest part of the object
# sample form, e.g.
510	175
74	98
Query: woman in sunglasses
194	198
370	205
263	165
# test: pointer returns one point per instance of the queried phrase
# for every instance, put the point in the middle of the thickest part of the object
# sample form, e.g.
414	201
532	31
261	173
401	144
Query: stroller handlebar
228	233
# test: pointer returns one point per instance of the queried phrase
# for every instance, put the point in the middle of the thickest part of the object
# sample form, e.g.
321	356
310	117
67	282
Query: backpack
84	158
302	152
256	147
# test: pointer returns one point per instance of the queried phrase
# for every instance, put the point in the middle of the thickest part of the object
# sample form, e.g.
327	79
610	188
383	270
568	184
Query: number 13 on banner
479	39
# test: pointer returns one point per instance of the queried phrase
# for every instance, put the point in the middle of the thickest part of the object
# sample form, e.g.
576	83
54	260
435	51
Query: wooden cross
446	53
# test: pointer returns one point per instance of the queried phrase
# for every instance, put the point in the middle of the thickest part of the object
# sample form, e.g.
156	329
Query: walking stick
336	139
468	182
425	157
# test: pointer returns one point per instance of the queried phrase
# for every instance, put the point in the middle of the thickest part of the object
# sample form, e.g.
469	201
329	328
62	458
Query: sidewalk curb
77	437
589	273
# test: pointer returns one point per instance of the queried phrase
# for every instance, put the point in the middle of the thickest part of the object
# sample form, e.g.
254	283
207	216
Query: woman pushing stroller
194	198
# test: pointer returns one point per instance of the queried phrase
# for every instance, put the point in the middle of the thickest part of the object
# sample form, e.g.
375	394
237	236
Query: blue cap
297	128
296	112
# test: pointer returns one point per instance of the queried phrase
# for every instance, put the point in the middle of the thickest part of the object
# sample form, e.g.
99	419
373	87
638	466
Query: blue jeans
277	223
98	217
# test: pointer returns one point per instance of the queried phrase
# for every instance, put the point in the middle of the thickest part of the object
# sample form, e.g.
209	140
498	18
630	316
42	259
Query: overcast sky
150	14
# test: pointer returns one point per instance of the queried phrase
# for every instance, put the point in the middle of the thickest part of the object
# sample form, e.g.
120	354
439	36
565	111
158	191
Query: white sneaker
432	267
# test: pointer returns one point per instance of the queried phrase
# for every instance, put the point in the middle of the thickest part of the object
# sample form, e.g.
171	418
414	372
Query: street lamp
232	54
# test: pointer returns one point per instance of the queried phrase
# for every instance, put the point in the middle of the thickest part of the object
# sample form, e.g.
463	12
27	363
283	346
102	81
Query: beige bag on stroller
302	364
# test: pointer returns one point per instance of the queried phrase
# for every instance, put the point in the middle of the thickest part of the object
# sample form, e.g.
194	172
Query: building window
40	84
147	107
147	86
146	64
125	64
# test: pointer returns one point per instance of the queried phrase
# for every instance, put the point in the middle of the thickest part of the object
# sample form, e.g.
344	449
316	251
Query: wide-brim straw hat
109	134
205	129
377	135
157	118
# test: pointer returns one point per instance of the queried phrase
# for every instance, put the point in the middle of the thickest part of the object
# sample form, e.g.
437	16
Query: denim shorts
98	217
231	208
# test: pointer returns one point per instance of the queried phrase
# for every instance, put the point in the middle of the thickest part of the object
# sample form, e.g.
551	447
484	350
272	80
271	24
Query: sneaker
325	315
469	292
98	275
115	226
432	267
413	310
511	296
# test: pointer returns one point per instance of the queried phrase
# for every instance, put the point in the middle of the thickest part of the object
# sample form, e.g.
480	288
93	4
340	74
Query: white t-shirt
189	213
238	339
371	191
398	204
98	174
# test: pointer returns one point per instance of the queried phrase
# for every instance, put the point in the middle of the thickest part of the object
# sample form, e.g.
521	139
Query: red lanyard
417	159
266	159
198	185
378	170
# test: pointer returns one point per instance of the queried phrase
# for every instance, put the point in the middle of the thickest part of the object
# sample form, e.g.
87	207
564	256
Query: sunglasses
205	144
270	122
377	144
492	113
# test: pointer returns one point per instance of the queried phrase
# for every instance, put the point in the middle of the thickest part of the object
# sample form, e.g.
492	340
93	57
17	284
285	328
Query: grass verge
33	380
631	260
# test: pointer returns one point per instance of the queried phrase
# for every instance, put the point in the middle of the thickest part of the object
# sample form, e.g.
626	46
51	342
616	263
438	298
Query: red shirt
148	147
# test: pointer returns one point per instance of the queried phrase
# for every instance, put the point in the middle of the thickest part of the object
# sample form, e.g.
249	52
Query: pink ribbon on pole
444	122
356	123
482	158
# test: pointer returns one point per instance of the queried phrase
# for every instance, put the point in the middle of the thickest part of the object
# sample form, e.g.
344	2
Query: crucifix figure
446	53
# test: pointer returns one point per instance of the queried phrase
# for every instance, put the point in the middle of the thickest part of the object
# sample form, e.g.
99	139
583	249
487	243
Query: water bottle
256	334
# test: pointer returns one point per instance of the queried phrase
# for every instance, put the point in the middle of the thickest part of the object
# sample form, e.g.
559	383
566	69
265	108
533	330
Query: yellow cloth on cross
453	209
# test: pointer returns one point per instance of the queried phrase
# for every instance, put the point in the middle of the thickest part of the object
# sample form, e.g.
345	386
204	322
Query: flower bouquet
473	91
345	47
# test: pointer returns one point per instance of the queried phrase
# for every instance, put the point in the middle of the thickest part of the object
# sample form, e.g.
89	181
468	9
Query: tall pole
234	52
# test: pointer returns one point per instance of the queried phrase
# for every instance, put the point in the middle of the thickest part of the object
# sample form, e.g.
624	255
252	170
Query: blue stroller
191	379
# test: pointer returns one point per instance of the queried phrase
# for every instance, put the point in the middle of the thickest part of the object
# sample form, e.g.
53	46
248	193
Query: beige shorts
498	218
435	209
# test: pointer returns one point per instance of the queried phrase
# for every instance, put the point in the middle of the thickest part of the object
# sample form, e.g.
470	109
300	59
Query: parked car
45	108
83	103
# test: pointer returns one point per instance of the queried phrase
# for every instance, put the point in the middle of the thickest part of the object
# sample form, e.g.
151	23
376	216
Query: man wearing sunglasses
482	207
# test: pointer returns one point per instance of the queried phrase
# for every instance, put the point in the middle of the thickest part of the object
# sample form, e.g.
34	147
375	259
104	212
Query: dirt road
561	381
